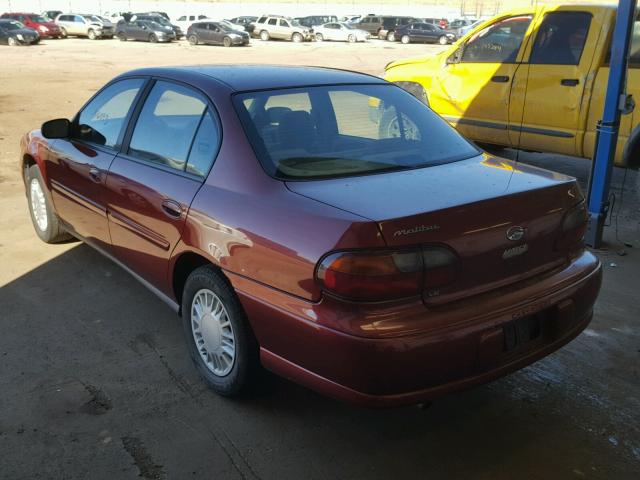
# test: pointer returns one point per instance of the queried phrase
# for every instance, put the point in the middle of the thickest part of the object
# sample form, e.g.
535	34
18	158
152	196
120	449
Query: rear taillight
574	227
386	274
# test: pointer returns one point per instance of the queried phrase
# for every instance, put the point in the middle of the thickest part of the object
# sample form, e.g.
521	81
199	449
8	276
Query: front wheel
391	36
443	40
153	38
226	41
264	35
351	39
405	39
193	40
12	42
297	37
122	37
63	32
319	37
218	335
92	35
44	219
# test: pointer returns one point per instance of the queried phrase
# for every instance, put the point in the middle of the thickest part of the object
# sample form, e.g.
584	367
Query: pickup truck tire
264	36
44	219
218	335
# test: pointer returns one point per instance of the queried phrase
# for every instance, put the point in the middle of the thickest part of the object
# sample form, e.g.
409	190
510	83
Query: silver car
283	28
85	25
340	32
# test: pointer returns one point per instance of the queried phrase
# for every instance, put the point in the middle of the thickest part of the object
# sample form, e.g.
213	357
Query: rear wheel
12	42
218	335
122	37
351	39
319	37
91	34
391	36
443	40
153	38
264	35
297	37
405	39
44	219
193	39
226	41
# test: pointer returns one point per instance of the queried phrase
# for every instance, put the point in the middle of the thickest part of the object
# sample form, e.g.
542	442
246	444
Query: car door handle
569	82
172	208
500	79
94	174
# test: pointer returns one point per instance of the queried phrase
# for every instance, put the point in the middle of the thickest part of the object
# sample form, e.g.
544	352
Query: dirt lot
95	382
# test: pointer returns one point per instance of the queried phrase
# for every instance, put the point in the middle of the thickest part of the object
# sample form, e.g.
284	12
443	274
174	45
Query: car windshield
340	131
11	25
39	19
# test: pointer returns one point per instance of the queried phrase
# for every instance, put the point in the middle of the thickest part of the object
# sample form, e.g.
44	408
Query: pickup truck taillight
574	227
381	275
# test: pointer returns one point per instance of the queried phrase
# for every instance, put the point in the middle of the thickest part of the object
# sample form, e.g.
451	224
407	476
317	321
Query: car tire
193	39
264	36
44	219
319	37
63	32
121	36
226	41
153	38
443	40
406	39
351	39
221	346
297	37
391	36
92	34
12	42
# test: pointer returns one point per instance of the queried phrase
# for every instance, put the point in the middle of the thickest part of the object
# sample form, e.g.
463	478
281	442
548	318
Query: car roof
263	77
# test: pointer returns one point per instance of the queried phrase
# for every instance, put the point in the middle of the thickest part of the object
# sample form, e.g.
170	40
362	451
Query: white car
340	32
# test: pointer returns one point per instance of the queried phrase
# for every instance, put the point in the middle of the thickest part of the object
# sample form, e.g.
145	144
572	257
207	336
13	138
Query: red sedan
324	224
44	27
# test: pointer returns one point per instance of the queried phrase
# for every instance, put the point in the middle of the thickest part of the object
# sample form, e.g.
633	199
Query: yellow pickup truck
533	79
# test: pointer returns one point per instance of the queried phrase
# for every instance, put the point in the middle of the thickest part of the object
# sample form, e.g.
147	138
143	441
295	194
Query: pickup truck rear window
331	131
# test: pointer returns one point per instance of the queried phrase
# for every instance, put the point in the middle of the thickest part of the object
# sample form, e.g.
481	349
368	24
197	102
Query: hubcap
212	332
38	204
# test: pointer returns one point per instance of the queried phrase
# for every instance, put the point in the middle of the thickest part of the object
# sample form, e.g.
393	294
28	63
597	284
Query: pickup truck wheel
443	40
264	35
405	39
193	39
44	219
91	34
297	37
219	338
63	32
226	41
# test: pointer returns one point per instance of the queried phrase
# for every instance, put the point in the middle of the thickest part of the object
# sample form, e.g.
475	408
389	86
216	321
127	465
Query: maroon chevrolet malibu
324	224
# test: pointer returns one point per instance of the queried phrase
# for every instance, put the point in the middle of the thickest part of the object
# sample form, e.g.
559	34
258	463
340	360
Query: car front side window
500	42
102	120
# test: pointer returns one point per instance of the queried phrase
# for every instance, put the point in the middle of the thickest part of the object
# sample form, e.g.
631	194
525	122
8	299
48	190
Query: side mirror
58	128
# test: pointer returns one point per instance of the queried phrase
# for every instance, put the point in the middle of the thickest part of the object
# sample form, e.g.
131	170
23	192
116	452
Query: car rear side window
205	146
340	131
167	125
561	38
103	119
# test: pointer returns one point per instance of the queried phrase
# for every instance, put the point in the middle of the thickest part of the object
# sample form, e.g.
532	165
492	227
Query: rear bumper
396	369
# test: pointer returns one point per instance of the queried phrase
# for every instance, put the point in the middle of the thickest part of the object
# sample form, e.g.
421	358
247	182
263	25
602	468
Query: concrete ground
95	381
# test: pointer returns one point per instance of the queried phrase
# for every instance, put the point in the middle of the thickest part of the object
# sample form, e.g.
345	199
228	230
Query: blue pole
609	126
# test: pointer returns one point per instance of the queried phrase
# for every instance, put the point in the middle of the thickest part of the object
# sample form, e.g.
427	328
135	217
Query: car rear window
322	132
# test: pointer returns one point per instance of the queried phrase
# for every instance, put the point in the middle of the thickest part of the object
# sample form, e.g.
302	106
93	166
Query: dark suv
384	26
316	20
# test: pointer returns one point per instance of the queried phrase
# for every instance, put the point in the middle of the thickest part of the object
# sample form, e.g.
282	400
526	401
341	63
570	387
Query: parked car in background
351	18
457	26
83	25
468	28
144	30
233	26
244	20
376	256
316	20
282	28
391	24
160	19
340	32
44	27
423	33
438	22
14	33
481	86
185	21
51	14
216	33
